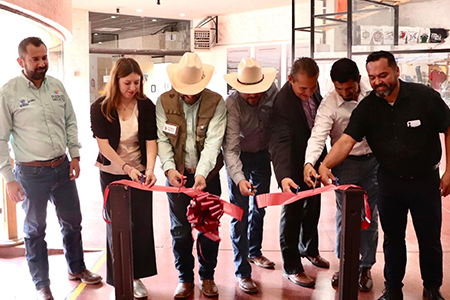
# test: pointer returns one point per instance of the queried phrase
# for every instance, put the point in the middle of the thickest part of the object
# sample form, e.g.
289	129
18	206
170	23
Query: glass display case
355	28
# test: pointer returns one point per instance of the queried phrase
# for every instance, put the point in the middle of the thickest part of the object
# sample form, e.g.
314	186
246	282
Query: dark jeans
247	235
298	233
144	257
363	172
421	196
41	184
182	240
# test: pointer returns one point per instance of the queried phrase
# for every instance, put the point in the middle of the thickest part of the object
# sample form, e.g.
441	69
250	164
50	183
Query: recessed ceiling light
154	20
96	33
113	17
100	42
182	14
139	10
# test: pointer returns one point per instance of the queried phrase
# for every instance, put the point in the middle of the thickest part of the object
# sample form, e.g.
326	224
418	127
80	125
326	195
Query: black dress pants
422	198
298	233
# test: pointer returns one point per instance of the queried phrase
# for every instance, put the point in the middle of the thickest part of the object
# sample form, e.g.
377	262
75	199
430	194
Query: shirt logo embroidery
25	102
57	97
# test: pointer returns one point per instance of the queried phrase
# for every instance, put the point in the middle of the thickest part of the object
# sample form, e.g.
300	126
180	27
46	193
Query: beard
389	89
36	74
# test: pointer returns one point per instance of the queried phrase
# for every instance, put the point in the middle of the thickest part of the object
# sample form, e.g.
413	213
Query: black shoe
432	294
392	294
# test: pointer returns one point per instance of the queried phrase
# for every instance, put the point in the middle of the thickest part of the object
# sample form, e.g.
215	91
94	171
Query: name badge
170	129
413	123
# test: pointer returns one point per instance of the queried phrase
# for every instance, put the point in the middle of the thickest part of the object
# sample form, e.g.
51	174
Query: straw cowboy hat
190	76
250	77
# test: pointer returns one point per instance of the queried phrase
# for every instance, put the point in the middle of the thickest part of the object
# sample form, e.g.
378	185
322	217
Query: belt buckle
55	162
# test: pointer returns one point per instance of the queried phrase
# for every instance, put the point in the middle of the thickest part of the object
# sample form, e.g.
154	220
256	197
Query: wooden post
352	201
120	201
9	220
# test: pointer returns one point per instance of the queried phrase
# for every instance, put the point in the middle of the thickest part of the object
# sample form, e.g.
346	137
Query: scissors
181	185
142	178
315	182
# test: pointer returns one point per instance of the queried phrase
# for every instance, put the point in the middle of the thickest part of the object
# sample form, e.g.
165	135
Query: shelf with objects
355	28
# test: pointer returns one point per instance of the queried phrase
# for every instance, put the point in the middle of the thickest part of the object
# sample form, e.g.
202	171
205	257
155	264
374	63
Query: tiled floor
15	281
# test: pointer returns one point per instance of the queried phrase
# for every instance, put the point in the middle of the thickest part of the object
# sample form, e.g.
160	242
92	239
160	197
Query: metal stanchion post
352	201
119	198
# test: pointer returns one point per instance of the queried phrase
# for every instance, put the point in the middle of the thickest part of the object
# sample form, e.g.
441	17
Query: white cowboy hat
250	77
190	76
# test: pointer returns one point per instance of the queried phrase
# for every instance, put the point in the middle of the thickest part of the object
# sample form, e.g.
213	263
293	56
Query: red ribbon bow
204	214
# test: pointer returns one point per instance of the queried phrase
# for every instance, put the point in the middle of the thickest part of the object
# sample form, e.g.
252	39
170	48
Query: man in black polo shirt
401	122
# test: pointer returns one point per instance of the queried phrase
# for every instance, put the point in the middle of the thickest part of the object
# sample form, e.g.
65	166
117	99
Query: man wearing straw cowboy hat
247	160
191	123
294	112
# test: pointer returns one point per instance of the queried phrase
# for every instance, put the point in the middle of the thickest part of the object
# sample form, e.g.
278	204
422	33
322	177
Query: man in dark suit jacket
294	112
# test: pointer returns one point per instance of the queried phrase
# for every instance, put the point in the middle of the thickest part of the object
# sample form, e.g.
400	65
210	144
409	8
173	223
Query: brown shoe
86	276
365	282
247	285
319	261
335	279
209	288
262	261
183	290
44	294
300	279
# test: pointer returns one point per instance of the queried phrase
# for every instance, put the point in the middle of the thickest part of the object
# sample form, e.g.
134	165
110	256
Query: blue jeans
182	241
361	171
246	235
41	184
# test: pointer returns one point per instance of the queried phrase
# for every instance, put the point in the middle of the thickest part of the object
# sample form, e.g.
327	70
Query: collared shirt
404	137
213	141
41	122
248	129
332	118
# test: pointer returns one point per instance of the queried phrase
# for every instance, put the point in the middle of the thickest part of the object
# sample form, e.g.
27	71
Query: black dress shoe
432	294
392	294
44	294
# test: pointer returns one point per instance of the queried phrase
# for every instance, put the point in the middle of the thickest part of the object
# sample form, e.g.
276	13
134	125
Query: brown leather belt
53	163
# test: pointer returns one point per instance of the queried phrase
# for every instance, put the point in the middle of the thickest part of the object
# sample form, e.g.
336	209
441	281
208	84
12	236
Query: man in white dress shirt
360	167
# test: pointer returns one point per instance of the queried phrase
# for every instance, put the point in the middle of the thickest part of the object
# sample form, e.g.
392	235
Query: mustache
381	85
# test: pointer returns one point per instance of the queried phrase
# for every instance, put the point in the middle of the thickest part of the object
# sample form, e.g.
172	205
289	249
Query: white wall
76	81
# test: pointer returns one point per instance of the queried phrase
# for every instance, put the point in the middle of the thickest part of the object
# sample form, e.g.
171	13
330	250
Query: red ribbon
203	213
272	199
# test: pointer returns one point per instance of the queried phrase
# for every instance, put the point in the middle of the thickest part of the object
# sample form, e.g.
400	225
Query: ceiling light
139	10
100	43
96	33
154	20
113	17
182	14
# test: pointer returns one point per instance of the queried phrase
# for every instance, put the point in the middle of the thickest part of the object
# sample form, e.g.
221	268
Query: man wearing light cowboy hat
191	123
247	160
